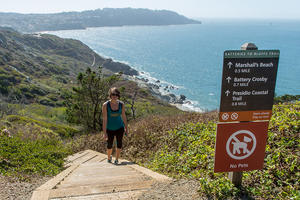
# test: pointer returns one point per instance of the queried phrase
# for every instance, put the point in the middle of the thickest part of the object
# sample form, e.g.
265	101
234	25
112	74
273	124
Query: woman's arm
104	121
124	118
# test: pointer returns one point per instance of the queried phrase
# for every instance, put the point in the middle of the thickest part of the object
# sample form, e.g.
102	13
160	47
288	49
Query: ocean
190	57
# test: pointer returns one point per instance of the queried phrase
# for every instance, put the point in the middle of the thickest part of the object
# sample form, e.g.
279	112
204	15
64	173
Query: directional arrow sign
229	65
248	83
228	79
227	92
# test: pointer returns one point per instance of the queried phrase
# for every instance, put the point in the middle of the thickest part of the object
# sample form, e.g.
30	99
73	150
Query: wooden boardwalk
90	177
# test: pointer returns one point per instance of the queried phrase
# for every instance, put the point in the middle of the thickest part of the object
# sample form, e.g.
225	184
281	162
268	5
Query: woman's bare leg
109	151
118	152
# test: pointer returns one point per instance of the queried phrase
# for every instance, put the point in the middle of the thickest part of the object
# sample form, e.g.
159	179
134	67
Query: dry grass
145	137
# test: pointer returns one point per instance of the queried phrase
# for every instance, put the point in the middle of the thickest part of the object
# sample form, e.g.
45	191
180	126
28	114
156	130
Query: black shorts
112	134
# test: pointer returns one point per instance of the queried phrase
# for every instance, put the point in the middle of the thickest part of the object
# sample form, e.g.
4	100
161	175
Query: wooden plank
40	195
89	174
152	174
98	189
58	178
74	157
86	157
100	171
96	159
111	196
103	180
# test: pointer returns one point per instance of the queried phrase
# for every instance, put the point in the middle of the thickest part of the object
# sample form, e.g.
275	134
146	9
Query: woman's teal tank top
114	120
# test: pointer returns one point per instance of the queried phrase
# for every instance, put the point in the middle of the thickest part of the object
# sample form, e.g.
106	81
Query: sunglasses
114	94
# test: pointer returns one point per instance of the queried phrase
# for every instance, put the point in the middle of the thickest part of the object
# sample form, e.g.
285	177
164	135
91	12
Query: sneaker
109	160
116	162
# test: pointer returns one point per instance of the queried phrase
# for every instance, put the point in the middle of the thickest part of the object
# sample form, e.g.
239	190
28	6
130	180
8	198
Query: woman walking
114	123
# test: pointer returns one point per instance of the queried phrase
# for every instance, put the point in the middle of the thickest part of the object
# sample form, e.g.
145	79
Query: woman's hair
114	90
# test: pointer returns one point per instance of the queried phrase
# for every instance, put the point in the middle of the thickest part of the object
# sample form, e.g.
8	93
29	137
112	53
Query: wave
164	88
190	106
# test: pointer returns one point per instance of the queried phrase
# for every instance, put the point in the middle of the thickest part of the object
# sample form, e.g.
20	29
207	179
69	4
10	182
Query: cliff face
34	66
41	51
91	18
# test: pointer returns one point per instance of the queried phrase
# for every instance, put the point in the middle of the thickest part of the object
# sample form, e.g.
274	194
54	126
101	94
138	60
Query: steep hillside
34	67
91	18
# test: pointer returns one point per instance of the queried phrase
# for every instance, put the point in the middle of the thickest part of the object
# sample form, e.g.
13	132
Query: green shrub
46	102
286	98
44	113
64	131
19	157
188	151
279	178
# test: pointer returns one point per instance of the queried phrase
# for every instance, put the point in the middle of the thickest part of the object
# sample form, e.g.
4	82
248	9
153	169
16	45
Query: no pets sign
240	146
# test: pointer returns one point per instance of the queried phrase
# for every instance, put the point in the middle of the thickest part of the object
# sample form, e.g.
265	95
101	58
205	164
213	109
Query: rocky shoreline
158	89
162	91
155	88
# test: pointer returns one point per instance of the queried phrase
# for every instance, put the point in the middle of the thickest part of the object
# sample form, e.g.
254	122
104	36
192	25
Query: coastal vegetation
84	104
178	145
186	150
182	146
46	80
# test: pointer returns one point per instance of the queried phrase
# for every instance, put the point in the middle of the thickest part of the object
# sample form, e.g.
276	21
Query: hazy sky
190	8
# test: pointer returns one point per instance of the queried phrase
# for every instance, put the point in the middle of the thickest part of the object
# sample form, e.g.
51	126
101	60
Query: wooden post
236	177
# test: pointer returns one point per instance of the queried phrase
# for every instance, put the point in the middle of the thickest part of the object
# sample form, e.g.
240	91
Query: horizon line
189	16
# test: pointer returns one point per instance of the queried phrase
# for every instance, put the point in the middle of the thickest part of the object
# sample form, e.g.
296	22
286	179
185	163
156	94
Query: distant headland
92	18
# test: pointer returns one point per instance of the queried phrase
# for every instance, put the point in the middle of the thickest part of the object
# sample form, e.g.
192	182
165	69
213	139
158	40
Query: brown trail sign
248	88
248	85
